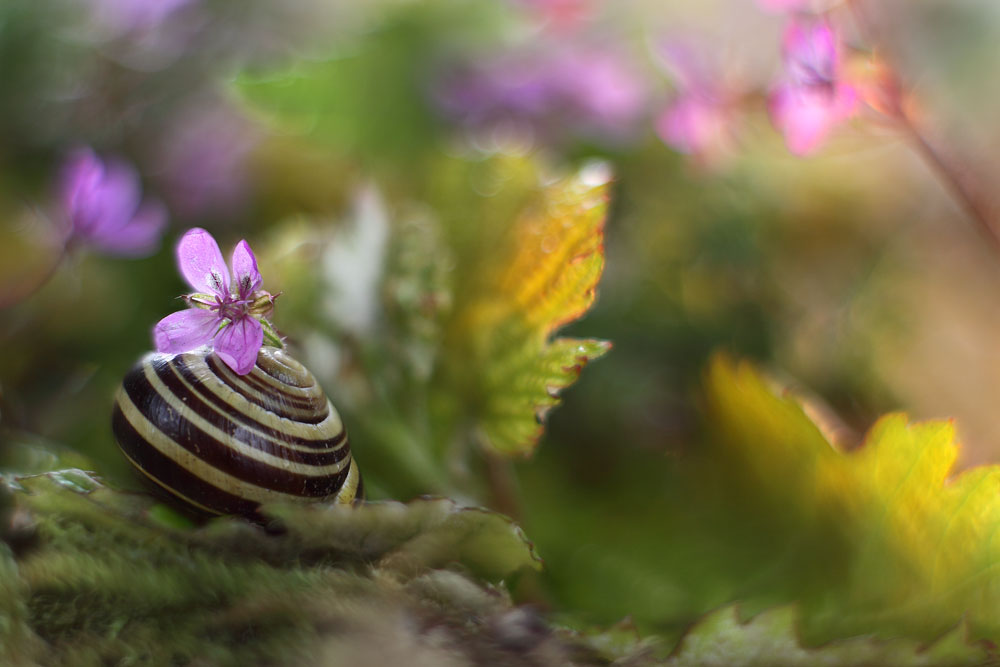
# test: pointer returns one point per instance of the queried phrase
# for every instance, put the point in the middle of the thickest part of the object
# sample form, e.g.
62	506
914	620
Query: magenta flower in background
696	125
701	119
203	155
783	5
101	207
229	316
144	35
600	85
590	91
121	17
812	98
560	14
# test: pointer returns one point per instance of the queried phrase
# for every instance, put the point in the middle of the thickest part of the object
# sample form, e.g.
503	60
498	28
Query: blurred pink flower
204	156
812	97
573	89
783	5
700	120
101	207
695	125
227	318
120	17
560	14
601	85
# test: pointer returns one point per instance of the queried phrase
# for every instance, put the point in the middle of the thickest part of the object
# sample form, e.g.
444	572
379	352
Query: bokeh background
367	150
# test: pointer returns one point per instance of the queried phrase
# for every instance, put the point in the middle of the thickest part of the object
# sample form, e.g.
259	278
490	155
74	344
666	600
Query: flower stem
960	181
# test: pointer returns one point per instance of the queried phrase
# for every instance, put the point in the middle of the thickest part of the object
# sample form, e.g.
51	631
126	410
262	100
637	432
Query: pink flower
783	5
130	16
204	155
101	207
695	125
557	89
701	118
228	316
812	98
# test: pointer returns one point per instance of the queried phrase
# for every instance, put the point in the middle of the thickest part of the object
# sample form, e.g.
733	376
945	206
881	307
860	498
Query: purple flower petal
245	269
806	116
201	263
100	201
811	99
696	126
114	200
185	330
81	174
811	52
238	343
125	16
98	197
138	238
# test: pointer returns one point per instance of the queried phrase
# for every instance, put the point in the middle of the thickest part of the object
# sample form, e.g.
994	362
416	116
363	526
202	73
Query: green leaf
89	575
914	544
539	276
425	533
368	98
720	639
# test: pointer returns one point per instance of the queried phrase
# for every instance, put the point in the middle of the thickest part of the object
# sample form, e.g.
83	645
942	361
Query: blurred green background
369	152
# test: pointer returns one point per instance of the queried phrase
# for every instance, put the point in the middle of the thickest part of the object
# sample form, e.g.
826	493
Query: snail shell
215	442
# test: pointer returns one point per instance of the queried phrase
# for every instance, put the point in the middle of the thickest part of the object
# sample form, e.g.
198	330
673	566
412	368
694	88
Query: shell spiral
214	442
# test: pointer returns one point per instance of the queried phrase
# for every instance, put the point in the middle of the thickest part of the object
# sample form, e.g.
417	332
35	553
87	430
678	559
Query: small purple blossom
101	207
584	90
696	125
230	316
121	17
204	157
812	97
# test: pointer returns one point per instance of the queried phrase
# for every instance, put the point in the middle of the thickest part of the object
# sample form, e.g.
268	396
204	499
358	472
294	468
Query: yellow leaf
542	275
771	638
917	544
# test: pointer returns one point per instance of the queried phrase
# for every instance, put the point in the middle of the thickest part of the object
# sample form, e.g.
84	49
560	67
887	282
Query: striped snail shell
214	442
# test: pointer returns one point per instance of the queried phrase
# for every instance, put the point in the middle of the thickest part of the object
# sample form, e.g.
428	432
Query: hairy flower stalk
232	318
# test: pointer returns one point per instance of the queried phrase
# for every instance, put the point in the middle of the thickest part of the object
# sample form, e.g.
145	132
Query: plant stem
502	485
959	180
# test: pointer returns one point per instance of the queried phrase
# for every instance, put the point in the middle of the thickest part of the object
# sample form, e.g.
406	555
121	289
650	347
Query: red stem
959	181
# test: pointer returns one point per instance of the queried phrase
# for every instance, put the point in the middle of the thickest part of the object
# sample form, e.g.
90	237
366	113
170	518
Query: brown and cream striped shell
215	442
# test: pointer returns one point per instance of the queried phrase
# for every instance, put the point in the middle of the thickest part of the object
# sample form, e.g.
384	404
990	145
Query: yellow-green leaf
542	275
916	544
720	639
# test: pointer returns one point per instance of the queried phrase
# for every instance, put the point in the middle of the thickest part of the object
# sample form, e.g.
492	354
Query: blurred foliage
93	576
451	353
770	638
441	280
506	312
